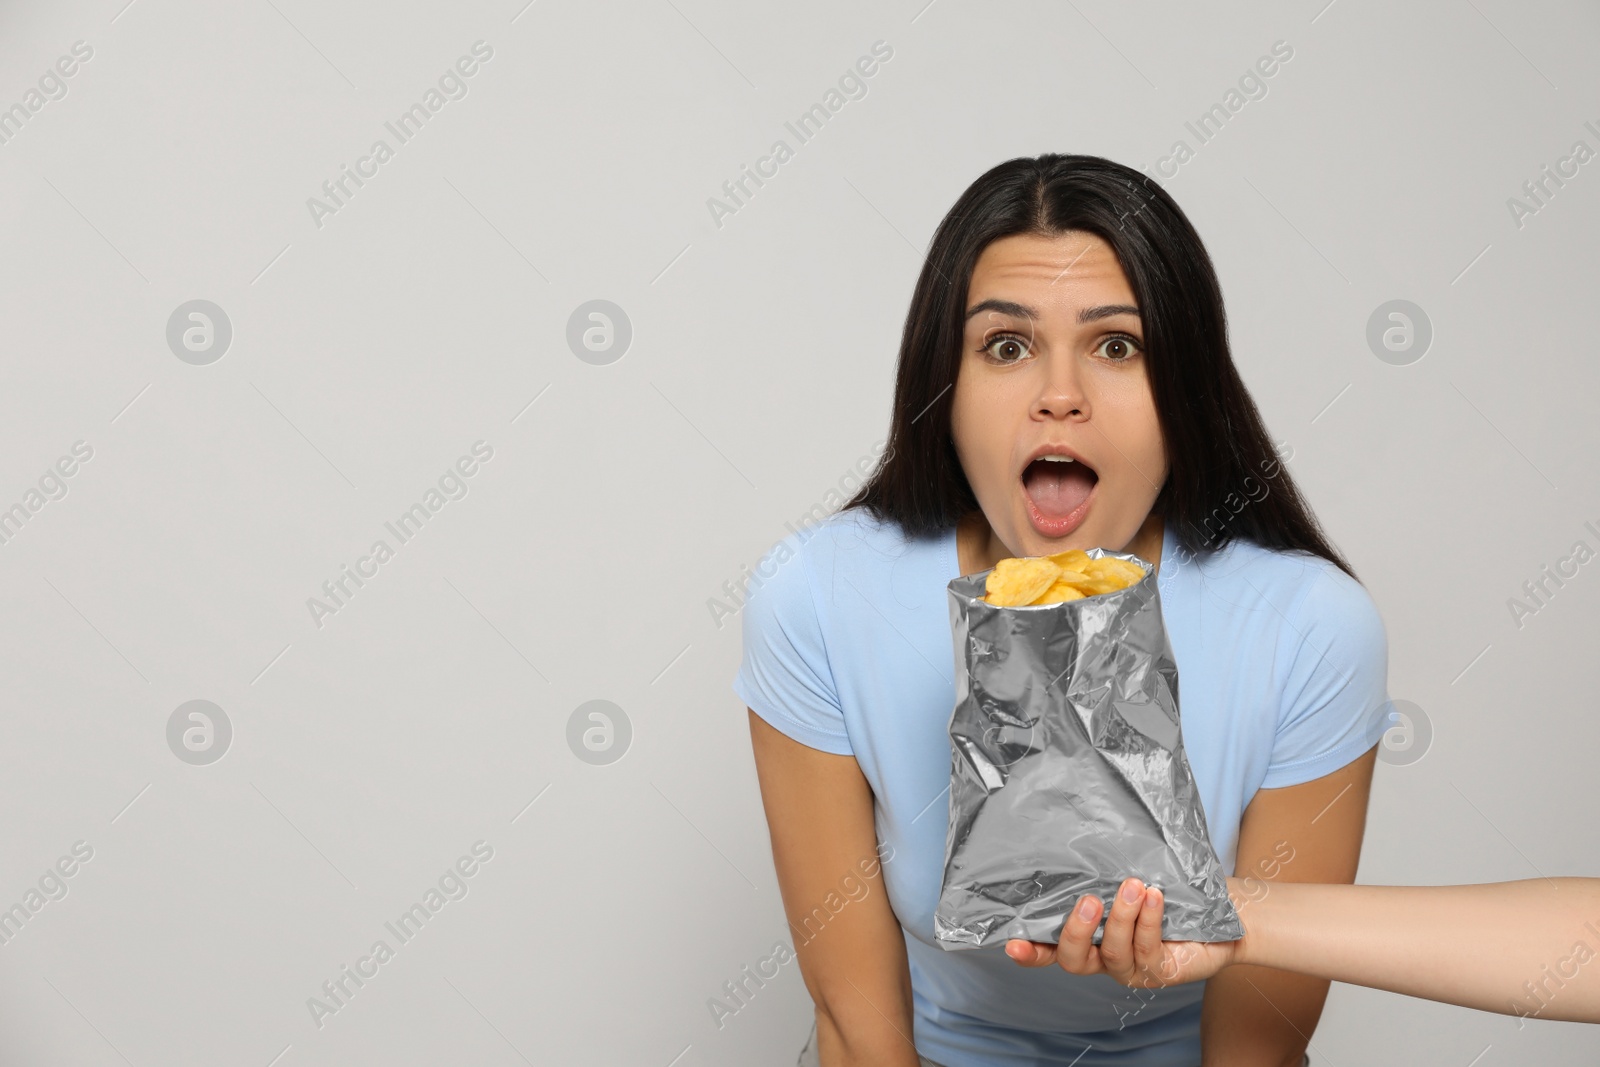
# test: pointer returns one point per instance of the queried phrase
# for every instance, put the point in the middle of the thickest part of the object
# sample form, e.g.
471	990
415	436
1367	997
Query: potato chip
1096	586
1126	572
1059	593
1020	580
1073	559
1029	581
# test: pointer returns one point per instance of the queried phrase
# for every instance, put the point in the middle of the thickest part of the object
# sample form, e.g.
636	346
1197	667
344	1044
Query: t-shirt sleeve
1336	694
784	675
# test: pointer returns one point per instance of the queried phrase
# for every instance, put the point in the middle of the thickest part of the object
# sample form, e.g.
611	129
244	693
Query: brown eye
1119	349
1005	348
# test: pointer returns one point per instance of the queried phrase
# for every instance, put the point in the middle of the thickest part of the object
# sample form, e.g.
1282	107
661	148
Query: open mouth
1058	490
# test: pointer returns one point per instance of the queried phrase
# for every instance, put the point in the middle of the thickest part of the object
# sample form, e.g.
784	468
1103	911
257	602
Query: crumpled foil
1067	770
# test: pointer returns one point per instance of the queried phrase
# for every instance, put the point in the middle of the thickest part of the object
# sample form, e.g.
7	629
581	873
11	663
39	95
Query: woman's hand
1131	949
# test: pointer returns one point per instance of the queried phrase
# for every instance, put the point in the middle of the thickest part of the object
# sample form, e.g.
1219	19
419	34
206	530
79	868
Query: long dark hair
1217	445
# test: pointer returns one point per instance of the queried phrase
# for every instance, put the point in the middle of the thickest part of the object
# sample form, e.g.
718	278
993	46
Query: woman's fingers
1116	944
1148	951
1130	950
1030	953
1076	951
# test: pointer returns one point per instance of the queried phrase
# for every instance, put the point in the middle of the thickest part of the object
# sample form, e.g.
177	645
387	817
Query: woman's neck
978	548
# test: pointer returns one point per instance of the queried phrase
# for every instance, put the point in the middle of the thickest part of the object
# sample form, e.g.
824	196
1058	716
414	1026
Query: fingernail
1086	908
1131	891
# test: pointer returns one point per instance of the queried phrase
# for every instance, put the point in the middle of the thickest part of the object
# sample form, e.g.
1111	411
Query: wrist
1248	897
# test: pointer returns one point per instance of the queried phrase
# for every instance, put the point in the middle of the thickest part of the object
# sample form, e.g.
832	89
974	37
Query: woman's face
1053	363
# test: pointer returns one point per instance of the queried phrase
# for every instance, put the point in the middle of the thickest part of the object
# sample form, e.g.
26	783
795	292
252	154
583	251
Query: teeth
1056	459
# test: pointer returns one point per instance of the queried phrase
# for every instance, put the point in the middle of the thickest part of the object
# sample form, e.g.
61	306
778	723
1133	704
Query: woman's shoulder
849	537
1303	586
1323	644
849	557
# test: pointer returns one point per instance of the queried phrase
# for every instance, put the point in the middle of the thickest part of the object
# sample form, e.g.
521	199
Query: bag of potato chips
1067	766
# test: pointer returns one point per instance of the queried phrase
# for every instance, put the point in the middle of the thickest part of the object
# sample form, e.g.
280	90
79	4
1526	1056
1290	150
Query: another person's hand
1131	949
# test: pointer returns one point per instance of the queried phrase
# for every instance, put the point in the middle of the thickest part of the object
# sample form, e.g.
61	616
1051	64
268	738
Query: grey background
432	710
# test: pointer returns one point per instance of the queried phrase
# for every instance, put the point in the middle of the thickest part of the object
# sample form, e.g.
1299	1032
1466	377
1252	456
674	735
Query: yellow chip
1123	572
1017	581
1073	559
1059	593
1028	581
1096	586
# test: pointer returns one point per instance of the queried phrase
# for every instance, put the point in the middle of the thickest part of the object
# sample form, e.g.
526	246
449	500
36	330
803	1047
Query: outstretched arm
1528	948
1525	948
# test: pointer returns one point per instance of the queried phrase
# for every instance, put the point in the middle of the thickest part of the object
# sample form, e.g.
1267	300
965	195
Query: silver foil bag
1067	770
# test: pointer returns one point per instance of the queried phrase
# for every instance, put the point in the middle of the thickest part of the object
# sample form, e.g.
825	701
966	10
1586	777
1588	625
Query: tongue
1057	488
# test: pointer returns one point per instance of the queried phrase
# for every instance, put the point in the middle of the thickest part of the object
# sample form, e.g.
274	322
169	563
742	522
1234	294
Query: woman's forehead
1048	275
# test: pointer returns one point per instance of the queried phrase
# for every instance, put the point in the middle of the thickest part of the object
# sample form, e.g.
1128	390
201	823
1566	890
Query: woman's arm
851	950
1254	1015
1528	948
1525	948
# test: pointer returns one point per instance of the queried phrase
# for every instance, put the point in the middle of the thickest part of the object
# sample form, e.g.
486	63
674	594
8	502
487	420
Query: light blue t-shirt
1282	678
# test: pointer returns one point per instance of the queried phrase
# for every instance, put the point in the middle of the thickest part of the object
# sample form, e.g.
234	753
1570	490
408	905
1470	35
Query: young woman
1524	948
1064	381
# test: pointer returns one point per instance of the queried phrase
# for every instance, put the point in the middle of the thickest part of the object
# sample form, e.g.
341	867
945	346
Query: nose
1061	393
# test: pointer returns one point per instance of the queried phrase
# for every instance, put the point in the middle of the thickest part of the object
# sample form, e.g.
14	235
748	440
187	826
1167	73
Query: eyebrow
1023	311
